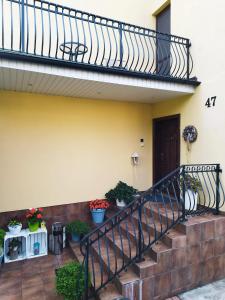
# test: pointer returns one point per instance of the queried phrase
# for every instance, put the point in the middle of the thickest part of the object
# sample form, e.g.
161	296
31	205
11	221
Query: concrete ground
212	291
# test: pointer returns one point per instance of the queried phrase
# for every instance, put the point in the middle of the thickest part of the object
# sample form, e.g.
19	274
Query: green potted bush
2	235
14	226
70	281
122	194
14	248
192	186
77	229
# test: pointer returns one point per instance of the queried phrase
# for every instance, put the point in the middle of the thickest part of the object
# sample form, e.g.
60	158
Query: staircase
150	250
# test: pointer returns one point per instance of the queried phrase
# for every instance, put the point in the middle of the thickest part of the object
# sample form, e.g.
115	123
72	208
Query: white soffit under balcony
57	80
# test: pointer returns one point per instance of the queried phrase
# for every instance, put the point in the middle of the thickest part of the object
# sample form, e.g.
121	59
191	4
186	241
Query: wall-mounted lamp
135	158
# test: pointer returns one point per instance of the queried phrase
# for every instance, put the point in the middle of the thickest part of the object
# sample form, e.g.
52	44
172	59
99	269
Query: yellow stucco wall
202	23
136	12
57	150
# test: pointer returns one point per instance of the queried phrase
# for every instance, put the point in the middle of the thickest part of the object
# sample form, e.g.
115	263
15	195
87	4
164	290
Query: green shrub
14	223
2	235
78	227
122	191
70	281
191	182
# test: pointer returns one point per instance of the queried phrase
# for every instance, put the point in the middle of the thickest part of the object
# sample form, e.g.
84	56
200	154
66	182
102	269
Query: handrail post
2	23
183	218
22	26
218	170
86	269
121	44
188	59
140	254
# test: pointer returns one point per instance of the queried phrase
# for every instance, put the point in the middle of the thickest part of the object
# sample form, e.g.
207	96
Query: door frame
154	121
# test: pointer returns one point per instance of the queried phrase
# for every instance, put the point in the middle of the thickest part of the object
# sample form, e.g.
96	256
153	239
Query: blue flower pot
75	237
98	215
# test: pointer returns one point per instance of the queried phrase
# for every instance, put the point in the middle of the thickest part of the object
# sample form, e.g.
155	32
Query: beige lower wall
56	150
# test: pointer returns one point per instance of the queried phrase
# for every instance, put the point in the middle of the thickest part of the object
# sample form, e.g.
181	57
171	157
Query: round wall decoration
190	134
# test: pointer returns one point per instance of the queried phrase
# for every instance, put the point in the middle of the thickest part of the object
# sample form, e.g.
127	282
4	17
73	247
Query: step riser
120	285
107	271
119	250
161	217
156	232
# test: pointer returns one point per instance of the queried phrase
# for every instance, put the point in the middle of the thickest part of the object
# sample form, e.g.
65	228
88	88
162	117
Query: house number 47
211	102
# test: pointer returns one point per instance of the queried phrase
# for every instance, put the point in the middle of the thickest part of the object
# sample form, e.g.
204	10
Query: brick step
110	261
110	292
75	247
113	290
157	259
164	215
128	249
187	256
173	238
153	228
127	284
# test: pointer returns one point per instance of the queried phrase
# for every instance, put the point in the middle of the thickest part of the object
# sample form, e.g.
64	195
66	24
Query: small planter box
40	237
33	244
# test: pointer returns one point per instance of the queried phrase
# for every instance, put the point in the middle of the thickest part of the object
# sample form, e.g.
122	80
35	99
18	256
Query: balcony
54	35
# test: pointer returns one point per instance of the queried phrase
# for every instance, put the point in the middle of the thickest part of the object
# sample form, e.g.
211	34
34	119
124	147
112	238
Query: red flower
32	210
40	209
39	216
99	204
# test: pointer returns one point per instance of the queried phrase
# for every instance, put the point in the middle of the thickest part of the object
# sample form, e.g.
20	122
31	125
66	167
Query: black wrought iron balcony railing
43	31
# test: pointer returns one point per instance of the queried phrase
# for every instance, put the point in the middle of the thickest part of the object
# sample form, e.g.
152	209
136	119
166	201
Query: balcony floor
34	77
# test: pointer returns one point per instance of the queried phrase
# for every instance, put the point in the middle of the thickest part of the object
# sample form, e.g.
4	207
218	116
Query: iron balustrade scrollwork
128	234
44	31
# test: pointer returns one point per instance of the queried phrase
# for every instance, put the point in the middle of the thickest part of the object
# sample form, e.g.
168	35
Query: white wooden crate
39	236
28	239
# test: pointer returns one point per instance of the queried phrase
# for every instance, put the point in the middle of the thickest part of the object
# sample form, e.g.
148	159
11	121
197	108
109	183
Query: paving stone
31	279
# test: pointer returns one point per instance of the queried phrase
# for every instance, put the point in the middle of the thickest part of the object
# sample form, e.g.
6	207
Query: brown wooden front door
166	146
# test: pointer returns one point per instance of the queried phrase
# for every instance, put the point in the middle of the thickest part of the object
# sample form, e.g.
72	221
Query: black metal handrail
40	30
125	236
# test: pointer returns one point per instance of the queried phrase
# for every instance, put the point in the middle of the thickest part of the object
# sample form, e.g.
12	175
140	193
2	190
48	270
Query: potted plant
192	187
98	208
122	194
34	217
77	229
14	245
14	226
2	235
70	281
